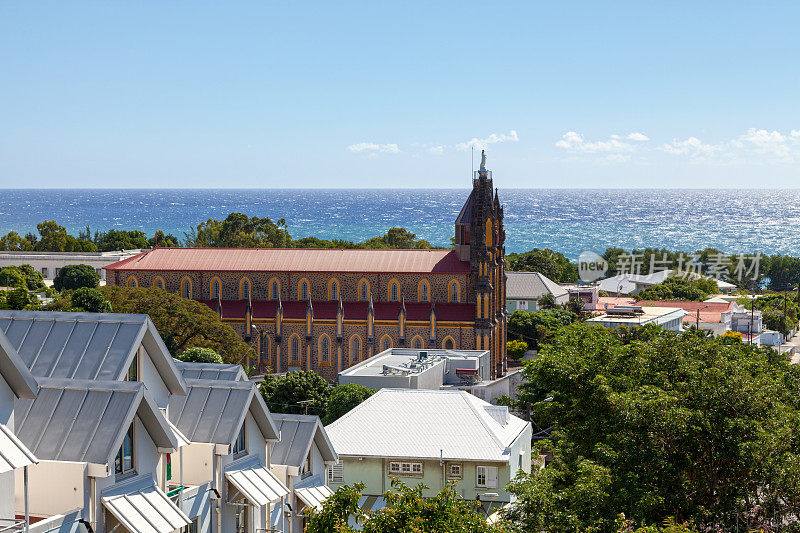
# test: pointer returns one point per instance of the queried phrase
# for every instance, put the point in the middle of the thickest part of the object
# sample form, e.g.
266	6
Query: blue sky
395	94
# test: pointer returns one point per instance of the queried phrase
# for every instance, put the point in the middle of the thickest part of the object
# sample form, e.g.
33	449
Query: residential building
325	310
400	368
633	283
430	437
49	263
523	290
588	293
301	460
634	316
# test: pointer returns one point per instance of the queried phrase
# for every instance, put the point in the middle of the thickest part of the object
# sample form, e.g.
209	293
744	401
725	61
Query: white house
523	290
301	460
430	437
49	263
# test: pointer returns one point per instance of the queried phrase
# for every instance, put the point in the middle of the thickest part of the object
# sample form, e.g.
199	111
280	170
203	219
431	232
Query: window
124	462
245	289
334	290
133	370
424	292
304	290
325	349
159	283
336	473
448	343
193	527
295	349
486	477
403	468
275	290
454	471
44	272
132	282
186	288
417	345
308	466
386	343
363	291
355	349
454	290
394	292
240	446
216	289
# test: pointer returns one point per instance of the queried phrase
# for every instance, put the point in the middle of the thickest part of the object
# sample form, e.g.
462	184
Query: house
49	263
403	368
229	432
588	293
303	460
634	316
633	283
16	382
523	290
430	437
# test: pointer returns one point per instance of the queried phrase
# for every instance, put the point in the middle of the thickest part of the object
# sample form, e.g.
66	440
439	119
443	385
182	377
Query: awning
367	504
254	482
314	493
141	507
13	454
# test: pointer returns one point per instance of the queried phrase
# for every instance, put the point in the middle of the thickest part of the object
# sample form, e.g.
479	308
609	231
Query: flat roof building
634	316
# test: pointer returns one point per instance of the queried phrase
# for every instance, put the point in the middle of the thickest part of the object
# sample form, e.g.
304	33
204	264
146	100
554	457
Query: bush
19	298
516	349
90	300
11	277
343	399
196	354
72	277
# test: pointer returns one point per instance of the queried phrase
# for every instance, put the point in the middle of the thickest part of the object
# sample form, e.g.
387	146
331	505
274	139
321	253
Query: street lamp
698	316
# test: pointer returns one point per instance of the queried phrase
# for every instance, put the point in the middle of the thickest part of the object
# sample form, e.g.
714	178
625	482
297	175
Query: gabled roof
293	260
410	423
213	411
93	346
14	371
215	371
13	453
85	421
297	433
532	286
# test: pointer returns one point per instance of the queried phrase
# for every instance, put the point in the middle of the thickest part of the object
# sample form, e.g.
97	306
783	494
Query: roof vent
499	413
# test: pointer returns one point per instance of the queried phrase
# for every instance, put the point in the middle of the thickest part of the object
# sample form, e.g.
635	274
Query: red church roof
294	260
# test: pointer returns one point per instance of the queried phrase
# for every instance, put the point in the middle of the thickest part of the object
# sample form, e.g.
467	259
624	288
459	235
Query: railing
11	526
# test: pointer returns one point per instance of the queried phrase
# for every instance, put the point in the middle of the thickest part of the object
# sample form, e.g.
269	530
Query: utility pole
305	403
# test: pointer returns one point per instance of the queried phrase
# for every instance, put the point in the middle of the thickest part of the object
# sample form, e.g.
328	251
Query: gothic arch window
448	343
424	291
274	289
454	291
216	288
186	288
333	289
159	282
295	347
363	290
132	281
244	288
355	349
386	343
325	349
394	291
303	289
417	343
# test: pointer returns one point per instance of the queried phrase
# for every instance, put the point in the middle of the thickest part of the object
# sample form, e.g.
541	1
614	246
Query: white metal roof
532	286
297	433
141	507
313	492
15	372
257	484
13	453
215	371
410	423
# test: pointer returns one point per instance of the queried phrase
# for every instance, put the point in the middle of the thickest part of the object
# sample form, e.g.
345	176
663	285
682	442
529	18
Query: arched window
159	283
303	290
186	288
363	290
325	349
355	349
216	289
424	291
417	343
245	289
295	348
394	292
334	290
132	282
448	343
386	343
455	290
274	290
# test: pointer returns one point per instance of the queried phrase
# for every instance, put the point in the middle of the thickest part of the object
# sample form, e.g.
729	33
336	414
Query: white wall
7	397
152	380
55	488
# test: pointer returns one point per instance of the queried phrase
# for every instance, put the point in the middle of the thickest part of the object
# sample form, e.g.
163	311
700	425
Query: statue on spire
483	161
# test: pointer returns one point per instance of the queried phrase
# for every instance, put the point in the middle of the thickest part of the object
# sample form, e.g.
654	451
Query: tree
343	399
538	327
13	242
680	288
12	276
113	240
195	354
547	301
240	231
657	424
552	264
54	237
33	278
162	240
284	394
186	322
516	349
19	299
90	300
73	277
406	511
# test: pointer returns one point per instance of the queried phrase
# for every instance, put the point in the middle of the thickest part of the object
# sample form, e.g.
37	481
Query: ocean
568	221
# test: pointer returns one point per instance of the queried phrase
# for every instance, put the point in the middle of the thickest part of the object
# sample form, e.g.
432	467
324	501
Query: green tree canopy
90	300
680	288
284	394
11	241
516	349
22	276
343	398
19	299
538	327
656	425
73	277
196	354
552	264
113	240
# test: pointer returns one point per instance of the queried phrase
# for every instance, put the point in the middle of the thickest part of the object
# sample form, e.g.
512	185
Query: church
327	309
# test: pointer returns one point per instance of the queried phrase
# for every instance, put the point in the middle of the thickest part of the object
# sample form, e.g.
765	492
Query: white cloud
436	150
374	148
752	147
574	142
494	138
636	136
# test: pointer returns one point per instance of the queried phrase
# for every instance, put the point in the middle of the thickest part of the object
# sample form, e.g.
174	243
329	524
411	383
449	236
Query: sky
398	94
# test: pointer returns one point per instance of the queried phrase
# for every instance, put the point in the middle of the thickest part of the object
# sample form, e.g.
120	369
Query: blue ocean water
569	221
